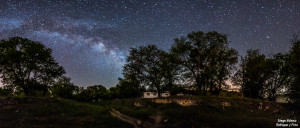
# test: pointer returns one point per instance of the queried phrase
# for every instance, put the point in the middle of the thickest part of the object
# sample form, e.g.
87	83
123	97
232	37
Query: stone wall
180	101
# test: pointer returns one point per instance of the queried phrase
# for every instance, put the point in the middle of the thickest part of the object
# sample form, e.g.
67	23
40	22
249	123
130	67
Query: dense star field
91	38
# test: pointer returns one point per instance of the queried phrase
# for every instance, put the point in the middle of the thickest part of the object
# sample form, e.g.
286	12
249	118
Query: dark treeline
200	63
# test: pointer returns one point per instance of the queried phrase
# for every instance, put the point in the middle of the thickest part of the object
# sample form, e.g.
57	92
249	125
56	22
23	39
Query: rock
225	104
260	106
139	122
267	107
166	120
137	104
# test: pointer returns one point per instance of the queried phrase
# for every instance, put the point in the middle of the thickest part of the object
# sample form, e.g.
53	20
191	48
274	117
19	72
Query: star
92	38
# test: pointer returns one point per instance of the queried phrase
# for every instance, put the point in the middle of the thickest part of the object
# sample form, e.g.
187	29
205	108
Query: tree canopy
206	57
27	65
146	65
203	61
294	63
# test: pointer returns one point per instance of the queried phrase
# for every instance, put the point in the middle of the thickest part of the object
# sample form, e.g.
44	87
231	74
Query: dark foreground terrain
184	112
55	113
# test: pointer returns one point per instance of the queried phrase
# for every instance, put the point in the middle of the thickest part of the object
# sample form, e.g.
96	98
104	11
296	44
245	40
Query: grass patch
127	107
209	112
57	113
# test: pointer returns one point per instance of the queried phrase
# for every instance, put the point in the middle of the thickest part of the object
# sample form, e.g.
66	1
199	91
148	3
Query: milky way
91	39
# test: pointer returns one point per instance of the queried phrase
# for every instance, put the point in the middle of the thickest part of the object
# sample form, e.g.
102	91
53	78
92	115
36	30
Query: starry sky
91	38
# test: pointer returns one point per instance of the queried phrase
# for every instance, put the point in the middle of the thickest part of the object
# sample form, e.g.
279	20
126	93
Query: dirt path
135	122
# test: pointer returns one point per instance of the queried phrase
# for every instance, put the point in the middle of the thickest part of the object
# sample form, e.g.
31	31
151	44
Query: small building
180	94
155	94
165	94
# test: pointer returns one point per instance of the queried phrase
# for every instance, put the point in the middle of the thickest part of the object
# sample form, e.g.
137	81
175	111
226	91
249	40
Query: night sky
91	39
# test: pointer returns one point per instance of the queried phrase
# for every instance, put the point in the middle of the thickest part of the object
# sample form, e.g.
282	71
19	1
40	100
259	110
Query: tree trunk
211	85
220	85
158	91
26	91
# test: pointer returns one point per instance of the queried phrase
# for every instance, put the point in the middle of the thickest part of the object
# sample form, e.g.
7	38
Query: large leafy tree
279	75
225	64
206	57
170	70
134	78
125	89
255	74
145	67
238	78
64	88
96	92
259	76
294	63
27	65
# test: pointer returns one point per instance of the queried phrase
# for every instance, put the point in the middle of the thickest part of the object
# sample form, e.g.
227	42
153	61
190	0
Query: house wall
150	95
179	94
166	94
155	95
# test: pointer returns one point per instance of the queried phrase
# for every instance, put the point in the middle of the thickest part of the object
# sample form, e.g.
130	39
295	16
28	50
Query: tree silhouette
294	62
27	64
127	87
64	88
255	74
171	72
280	75
145	65
96	92
206	57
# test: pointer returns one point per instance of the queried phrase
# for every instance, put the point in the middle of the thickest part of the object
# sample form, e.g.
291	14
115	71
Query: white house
155	94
